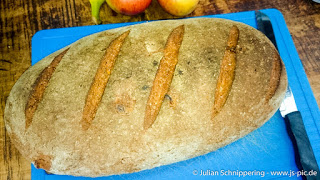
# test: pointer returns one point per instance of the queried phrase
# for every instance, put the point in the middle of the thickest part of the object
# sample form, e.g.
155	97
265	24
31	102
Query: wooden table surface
20	20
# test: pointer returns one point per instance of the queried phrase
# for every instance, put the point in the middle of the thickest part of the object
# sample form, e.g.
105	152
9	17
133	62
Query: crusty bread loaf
92	108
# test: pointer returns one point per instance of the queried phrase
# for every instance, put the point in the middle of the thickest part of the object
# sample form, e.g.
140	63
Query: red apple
178	7
129	7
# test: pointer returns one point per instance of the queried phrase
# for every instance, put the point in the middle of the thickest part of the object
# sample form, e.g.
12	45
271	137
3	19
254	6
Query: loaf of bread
142	96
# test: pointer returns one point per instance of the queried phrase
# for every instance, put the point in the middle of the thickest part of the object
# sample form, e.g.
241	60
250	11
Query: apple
178	7
129	7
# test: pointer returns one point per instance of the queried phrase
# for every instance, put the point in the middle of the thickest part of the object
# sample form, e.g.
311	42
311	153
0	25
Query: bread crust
163	78
116	141
101	79
226	74
39	87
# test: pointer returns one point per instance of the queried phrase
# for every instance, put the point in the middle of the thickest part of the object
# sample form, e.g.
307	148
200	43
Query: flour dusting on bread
112	139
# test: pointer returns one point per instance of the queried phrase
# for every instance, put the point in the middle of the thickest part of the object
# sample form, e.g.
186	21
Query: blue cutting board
263	151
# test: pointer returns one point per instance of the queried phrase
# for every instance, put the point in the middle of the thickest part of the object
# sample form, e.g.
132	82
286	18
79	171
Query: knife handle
305	158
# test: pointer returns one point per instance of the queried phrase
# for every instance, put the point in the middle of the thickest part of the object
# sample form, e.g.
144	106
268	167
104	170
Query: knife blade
305	159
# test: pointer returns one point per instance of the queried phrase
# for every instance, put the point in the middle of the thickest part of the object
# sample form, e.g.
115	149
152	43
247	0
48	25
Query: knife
305	159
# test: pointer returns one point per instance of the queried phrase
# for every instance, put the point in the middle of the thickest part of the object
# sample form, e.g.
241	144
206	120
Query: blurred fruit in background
129	7
178	7
154	9
95	9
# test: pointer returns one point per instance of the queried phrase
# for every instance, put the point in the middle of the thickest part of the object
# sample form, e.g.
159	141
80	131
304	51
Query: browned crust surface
275	75
162	81
116	141
39	88
43	162
100	80
227	70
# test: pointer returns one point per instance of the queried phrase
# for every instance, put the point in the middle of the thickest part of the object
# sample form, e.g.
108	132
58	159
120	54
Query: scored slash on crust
39	88
100	80
227	70
164	75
